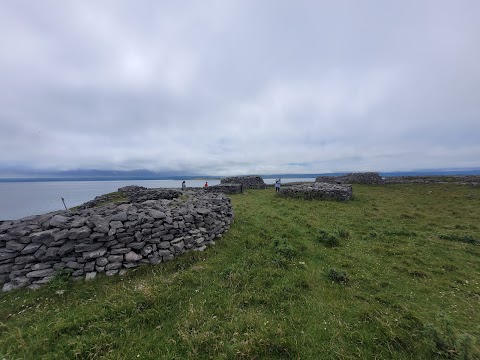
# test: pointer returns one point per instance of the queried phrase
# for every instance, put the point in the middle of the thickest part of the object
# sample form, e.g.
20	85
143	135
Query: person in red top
206	184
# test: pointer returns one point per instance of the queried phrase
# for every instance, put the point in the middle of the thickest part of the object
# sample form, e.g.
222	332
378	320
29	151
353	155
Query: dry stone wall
110	238
467	179
322	191
247	182
371	178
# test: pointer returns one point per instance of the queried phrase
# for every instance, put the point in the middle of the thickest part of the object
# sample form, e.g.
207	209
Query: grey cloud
239	87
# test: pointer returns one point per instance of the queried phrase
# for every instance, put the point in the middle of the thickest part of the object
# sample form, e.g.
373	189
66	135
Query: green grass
401	282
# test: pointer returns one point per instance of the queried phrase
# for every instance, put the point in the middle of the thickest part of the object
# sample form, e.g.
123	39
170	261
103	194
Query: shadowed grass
269	290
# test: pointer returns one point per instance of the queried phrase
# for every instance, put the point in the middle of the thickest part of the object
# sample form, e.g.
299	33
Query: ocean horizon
20	199
34	196
130	177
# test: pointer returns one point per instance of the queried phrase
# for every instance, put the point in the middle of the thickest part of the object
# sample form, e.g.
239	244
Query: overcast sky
237	87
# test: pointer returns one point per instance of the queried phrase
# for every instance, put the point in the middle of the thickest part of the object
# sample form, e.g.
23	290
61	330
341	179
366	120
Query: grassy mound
394	273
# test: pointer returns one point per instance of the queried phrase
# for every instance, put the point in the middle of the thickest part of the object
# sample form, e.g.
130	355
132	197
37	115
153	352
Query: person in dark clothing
277	185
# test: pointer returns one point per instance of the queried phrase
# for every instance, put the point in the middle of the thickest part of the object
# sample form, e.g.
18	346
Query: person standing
184	186
206	184
277	185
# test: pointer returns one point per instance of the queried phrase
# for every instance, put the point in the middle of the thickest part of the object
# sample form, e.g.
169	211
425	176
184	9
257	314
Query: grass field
393	274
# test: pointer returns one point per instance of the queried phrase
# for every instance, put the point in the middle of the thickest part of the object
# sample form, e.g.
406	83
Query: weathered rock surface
153	226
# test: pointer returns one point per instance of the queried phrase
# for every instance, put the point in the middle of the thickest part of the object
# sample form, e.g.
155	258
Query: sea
22	199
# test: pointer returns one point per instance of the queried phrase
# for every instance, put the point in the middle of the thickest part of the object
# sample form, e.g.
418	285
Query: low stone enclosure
371	178
318	190
247	182
473	180
154	225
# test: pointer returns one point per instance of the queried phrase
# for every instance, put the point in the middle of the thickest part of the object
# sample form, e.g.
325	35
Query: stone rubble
154	226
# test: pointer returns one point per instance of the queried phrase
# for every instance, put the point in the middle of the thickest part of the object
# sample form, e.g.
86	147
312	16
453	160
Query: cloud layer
219	87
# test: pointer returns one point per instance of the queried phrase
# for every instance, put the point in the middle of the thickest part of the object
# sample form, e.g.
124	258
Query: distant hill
9	175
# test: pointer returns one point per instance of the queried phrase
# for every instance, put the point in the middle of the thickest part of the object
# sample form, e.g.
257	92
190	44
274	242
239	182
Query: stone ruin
110	238
370	178
135	194
247	182
318	190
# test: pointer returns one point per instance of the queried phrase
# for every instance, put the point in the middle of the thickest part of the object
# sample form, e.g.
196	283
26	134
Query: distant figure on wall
184	186
277	185
206	184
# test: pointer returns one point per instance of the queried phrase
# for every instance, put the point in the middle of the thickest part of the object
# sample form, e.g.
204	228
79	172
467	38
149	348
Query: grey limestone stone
41	266
113	266
50	254
94	254
121	216
78	273
62	234
132	256
44	237
146	250
58	221
90	275
119	251
14	245
41	273
155	214
74	265
102	261
89	266
115	258
87	247
137	245
79	233
30	248
66	248
78	222
5	269
178	246
25	259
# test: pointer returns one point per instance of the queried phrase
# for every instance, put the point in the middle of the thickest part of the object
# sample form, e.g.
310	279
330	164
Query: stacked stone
370	178
108	238
321	191
248	182
102	199
140	193
225	188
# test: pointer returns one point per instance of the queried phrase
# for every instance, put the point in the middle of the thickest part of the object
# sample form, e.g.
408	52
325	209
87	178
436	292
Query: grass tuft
338	276
327	239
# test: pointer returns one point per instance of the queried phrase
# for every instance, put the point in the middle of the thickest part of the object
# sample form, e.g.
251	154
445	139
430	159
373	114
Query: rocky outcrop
370	178
317	190
247	182
112	237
